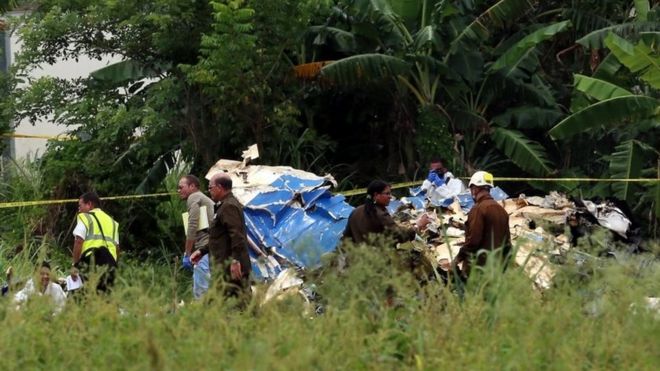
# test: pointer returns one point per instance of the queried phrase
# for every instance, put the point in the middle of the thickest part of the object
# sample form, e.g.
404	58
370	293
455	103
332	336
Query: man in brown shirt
228	241
487	226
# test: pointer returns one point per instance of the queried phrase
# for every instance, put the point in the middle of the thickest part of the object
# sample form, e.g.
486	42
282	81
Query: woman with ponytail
373	218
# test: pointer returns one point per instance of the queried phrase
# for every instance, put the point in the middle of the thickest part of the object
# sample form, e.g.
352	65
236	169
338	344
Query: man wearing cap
487	226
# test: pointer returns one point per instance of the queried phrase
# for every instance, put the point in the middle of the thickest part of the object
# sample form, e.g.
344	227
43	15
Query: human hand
445	264
235	270
186	263
423	221
194	257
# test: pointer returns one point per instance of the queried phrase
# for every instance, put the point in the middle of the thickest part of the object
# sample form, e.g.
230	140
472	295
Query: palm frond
157	172
342	40
524	152
642	8
511	58
365	67
626	163
598	89
426	38
122	72
596	39
640	58
501	13
608	68
605	113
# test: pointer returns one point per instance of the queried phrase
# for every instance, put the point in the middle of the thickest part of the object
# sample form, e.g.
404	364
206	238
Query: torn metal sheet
610	217
291	216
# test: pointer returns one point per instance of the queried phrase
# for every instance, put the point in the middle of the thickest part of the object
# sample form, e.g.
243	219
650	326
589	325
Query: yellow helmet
481	178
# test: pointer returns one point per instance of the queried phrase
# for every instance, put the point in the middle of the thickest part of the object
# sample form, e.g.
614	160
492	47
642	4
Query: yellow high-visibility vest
94	238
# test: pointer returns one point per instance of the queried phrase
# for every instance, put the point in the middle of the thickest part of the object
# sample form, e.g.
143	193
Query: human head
88	201
220	186
74	273
480	181
44	274
438	165
188	185
379	192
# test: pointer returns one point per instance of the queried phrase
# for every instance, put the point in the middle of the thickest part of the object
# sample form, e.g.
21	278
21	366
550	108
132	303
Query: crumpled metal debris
537	226
610	217
292	217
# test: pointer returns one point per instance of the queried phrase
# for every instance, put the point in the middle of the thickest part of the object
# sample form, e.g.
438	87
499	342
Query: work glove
186	263
435	178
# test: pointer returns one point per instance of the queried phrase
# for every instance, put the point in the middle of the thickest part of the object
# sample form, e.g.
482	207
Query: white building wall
70	69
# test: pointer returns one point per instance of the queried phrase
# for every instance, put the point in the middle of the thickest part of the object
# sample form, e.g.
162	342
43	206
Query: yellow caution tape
30	136
359	191
604	180
5	205
353	192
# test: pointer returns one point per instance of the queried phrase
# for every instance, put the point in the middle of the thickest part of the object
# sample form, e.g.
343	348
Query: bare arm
189	246
77	249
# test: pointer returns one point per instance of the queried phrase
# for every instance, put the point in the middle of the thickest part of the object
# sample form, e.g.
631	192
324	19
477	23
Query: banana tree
403	51
423	54
497	112
630	115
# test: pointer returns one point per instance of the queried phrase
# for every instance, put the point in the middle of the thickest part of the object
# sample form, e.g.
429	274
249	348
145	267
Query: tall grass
20	181
599	322
375	315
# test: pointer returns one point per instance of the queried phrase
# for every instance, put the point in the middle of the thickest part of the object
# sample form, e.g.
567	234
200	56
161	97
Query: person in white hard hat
487	226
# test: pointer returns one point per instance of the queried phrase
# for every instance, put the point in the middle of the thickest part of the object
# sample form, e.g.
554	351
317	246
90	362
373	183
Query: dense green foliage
517	87
486	84
593	318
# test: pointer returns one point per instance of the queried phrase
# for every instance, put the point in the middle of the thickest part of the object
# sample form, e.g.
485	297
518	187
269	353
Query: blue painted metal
296	221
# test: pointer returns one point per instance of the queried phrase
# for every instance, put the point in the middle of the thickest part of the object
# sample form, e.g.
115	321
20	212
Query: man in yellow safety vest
96	244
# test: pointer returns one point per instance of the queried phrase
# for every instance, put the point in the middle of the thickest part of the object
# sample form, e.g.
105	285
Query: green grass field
595	318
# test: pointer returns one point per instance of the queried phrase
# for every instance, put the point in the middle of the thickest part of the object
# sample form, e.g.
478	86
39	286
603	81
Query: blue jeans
201	277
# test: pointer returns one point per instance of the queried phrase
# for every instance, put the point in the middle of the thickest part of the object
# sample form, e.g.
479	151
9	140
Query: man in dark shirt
228	241
487	226
373	217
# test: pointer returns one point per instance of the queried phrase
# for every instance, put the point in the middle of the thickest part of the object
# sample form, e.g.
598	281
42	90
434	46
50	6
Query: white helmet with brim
481	178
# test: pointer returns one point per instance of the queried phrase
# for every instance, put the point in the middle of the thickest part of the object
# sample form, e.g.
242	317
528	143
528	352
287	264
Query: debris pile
293	220
543	229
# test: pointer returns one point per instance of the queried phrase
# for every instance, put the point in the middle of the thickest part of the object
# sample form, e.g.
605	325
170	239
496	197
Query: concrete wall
23	147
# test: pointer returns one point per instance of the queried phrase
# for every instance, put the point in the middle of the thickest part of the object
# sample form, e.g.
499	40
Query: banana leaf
365	67
598	89
640	58
642	8
596	39
524	152
605	113
626	163
513	56
500	14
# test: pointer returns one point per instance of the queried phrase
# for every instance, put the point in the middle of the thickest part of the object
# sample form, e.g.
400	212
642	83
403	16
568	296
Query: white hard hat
481	178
